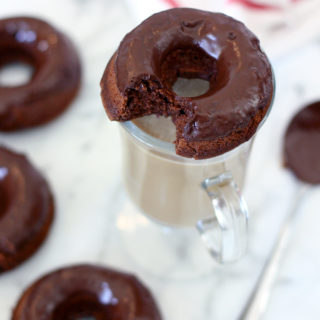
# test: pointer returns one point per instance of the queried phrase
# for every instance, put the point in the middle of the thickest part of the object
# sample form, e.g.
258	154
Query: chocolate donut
302	144
86	291
191	43
56	76
26	209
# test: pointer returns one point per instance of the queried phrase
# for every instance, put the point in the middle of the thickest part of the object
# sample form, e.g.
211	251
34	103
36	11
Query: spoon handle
258	301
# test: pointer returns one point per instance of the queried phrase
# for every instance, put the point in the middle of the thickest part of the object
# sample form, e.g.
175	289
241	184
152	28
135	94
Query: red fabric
247	3
172	3
254	5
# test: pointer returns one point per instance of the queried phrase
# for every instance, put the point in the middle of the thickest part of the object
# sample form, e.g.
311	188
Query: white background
80	155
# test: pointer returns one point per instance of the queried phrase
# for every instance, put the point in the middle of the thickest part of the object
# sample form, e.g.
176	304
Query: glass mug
180	195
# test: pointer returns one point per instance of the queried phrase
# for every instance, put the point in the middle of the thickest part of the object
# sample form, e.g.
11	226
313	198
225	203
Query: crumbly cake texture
191	43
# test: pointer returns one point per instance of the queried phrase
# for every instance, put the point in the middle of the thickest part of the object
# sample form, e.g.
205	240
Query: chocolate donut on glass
191	43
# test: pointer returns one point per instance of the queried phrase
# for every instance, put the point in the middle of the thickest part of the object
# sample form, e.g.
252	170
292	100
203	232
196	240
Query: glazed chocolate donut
302	144
26	209
56	76
86	291
191	43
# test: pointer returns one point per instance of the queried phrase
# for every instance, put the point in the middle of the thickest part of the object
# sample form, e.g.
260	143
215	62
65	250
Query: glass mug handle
224	232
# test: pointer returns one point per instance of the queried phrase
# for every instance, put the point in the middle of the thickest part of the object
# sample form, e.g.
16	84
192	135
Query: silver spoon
302	147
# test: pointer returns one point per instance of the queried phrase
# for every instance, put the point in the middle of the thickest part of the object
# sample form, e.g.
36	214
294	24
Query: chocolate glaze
26	209
243	81
87	291
192	44
56	76
302	144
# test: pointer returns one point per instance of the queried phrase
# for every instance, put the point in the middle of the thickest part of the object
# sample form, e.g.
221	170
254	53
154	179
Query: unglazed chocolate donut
86	291
191	43
26	209
302	144
56	76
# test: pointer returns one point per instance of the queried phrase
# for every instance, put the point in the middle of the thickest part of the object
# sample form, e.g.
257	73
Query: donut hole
3	193
182	71
3	201
85	306
185	87
16	68
189	72
15	74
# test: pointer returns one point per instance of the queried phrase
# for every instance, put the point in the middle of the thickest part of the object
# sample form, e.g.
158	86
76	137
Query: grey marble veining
80	155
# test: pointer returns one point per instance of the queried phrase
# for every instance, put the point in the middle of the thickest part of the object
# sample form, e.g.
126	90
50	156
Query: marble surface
80	155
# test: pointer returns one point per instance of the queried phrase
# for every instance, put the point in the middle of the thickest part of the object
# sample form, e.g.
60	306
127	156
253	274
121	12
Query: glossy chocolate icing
302	144
239	72
87	291
26	209
56	75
